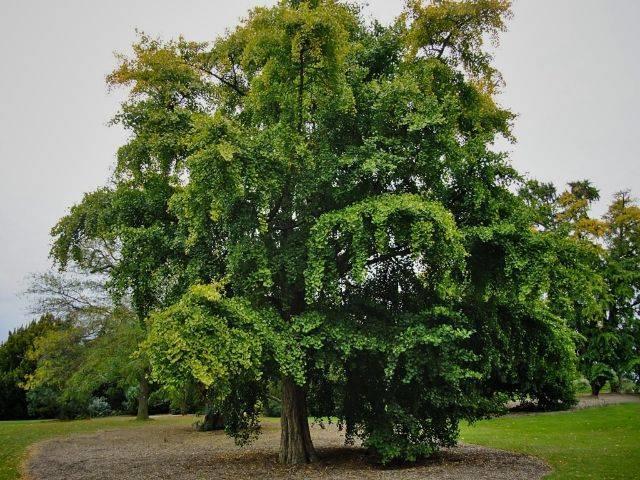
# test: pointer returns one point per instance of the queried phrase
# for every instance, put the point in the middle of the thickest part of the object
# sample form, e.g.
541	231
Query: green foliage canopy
347	226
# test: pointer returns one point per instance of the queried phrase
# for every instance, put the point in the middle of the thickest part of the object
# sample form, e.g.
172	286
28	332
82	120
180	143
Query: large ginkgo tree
339	224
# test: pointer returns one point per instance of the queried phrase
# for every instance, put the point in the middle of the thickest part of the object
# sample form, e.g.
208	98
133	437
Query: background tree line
596	287
78	358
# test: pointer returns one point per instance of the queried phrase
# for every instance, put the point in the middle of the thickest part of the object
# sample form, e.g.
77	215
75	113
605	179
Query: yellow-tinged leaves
227	150
377	230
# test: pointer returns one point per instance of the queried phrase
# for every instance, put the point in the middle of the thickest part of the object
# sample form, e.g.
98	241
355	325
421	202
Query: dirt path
603	399
584	401
160	452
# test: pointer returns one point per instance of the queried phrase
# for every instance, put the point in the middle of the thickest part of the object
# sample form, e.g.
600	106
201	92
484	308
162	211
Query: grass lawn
599	443
16	436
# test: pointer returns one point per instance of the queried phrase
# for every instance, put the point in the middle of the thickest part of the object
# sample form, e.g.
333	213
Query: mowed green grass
594	443
16	436
598	443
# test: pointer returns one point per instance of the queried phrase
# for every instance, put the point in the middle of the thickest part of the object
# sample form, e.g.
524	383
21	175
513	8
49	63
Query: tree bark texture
616	386
295	439
212	421
595	389
143	399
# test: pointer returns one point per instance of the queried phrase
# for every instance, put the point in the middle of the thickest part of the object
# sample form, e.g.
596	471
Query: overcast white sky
571	68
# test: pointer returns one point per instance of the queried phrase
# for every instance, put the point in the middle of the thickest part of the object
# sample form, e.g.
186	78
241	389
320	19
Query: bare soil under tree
178	452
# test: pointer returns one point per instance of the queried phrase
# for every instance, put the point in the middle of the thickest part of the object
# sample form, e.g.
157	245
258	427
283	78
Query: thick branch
301	89
342	261
445	44
224	81
399	252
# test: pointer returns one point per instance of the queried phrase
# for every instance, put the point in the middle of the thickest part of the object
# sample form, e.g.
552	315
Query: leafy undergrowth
599	443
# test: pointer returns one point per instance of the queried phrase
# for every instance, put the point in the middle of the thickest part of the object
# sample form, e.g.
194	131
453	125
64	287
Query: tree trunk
295	439
212	421
616	386
595	389
143	398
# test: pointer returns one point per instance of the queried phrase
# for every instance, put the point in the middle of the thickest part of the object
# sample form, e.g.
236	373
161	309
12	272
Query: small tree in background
16	365
622	240
93	347
72	364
